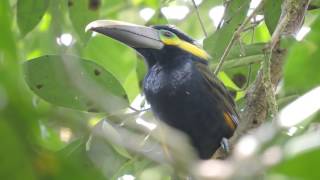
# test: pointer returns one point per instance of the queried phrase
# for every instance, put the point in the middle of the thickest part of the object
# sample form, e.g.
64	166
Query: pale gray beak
135	36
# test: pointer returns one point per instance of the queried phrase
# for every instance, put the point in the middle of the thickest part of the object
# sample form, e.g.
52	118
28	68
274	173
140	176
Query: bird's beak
135	36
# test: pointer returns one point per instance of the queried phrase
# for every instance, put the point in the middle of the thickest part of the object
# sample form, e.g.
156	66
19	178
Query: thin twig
253	25
222	20
248	80
239	62
138	110
236	35
199	17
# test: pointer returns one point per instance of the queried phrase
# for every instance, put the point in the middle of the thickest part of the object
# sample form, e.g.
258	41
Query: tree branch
258	98
257	107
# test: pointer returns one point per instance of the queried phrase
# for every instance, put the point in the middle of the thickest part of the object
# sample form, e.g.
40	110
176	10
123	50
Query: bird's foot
225	145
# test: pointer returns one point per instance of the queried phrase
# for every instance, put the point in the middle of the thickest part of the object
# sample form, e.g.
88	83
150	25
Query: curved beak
135	36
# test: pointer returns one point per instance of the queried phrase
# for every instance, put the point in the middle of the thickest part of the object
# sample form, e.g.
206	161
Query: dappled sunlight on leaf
72	103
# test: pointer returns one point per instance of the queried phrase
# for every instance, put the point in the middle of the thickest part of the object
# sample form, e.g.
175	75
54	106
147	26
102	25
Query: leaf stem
236	35
199	17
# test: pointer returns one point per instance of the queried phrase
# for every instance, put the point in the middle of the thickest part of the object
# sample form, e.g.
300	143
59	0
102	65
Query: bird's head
155	43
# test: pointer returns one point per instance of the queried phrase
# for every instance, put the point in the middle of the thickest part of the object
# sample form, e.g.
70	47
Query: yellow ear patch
193	50
171	41
169	38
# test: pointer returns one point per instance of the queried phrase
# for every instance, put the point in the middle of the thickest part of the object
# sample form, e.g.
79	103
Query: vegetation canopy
71	101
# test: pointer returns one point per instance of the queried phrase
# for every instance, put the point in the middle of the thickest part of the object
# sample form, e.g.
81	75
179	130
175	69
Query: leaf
157	19
302	166
72	162
75	83
194	29
17	119
235	13
272	12
301	72
43	40
141	71
7	43
227	81
116	58
237	64
13	155
81	13
315	3
156	173
29	14
231	86
259	35
241	51
104	154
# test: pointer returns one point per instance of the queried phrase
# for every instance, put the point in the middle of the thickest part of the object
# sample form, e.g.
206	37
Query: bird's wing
231	117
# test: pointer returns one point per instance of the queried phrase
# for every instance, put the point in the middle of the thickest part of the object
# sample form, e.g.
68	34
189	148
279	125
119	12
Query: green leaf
156	173
51	139
43	40
18	118
301	72
116	58
303	166
150	3
227	81
235	13
29	13
14	162
81	13
157	19
259	35
315	2
194	29
72	162
241	51
230	85
7	43
102	153
272	12
141	70
237	64
74	83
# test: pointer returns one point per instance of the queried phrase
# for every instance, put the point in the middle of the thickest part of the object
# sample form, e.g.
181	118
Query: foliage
65	94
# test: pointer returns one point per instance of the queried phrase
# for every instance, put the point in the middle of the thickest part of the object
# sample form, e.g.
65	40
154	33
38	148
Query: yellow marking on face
229	121
193	50
184	45
171	41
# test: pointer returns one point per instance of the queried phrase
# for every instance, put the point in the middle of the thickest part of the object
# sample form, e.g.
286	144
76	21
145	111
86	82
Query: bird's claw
225	145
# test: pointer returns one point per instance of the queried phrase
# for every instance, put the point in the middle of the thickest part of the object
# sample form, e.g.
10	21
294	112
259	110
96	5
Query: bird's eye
169	38
167	34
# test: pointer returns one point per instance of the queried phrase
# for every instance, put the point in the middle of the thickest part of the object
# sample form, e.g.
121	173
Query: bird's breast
180	97
172	92
167	81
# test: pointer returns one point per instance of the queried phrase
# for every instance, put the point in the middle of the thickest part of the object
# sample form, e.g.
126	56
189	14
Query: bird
179	86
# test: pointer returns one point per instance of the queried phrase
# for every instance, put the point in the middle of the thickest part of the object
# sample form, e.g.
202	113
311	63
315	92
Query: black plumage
186	95
179	85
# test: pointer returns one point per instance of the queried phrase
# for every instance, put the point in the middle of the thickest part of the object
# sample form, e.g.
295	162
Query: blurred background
71	105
